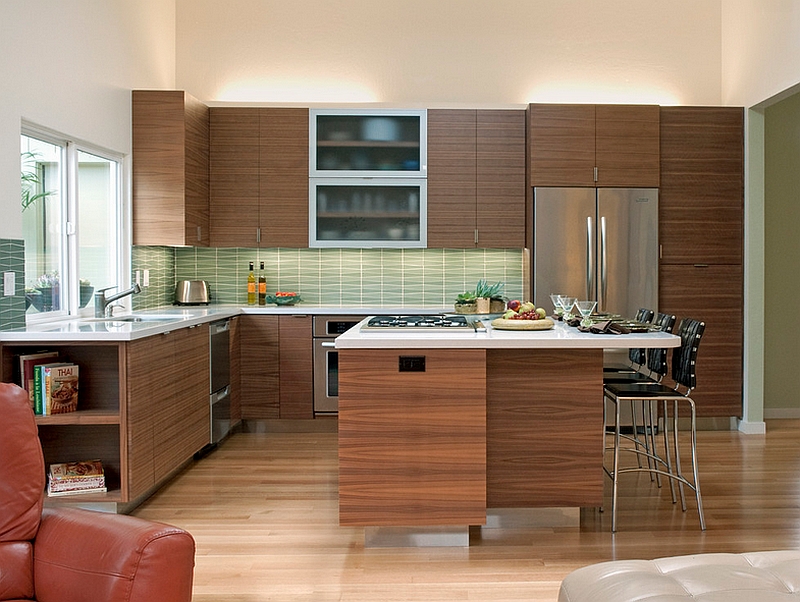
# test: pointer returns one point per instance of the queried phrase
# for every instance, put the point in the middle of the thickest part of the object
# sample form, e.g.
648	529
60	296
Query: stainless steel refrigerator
597	244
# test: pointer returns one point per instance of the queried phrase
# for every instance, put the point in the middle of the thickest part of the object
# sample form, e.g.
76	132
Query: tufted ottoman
756	577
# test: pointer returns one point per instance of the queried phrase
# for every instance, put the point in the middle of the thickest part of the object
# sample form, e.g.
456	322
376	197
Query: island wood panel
712	294
170	175
412	445
627	145
234	182
561	145
452	173
283	173
182	427
701	204
296	367
501	189
259	367
544	440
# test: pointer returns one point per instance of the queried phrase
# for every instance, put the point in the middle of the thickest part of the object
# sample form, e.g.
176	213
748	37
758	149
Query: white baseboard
751	428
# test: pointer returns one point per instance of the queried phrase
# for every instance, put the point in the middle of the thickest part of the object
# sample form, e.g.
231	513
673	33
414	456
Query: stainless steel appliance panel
564	243
219	396
627	249
597	244
326	359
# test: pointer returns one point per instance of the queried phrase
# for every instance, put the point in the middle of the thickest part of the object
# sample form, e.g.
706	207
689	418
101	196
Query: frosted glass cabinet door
375	212
384	143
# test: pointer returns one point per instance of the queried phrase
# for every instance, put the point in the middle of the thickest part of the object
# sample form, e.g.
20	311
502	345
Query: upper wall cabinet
259	177
594	145
476	179
383	143
170	169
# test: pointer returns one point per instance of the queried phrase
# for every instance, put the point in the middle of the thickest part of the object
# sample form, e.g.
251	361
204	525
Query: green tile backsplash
334	277
12	308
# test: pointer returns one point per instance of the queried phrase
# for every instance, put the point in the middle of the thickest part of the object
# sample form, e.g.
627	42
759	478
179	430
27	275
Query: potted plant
44	295
466	303
490	299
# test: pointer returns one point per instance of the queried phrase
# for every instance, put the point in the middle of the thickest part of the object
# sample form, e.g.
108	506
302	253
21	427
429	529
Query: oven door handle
331	344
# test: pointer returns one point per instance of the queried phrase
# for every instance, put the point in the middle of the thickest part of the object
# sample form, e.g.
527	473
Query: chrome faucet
102	303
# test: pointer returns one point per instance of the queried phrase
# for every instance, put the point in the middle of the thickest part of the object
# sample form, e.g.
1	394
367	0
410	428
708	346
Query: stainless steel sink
133	318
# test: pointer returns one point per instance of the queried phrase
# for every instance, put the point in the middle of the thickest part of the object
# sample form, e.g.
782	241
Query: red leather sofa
72	555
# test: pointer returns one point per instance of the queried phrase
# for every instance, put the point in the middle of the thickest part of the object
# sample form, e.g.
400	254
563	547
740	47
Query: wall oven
326	360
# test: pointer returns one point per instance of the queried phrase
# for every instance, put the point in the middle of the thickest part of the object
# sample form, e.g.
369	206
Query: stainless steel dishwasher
220	381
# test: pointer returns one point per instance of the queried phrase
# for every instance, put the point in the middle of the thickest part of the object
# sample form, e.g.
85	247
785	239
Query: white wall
70	66
450	52
761	49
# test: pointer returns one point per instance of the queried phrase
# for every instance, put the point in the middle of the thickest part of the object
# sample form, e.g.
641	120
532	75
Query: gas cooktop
419	323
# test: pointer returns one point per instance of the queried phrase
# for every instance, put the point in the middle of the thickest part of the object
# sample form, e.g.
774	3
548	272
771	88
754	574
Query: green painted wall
782	256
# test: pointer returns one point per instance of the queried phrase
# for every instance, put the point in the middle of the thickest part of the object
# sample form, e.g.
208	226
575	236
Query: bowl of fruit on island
523	316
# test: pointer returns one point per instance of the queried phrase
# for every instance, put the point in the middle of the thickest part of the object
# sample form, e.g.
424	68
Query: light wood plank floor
263	511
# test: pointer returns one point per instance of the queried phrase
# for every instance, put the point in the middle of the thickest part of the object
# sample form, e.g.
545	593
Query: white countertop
172	317
560	336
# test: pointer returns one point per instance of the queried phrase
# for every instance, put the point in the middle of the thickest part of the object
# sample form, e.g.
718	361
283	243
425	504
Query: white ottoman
756	577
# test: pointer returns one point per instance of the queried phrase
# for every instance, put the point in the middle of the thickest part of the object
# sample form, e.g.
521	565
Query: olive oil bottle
251	286
262	286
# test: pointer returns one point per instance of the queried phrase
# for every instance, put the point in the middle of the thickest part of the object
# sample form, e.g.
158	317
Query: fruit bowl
540	324
284	299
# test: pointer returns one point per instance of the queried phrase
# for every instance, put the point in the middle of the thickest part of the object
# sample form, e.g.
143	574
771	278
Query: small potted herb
466	303
490	298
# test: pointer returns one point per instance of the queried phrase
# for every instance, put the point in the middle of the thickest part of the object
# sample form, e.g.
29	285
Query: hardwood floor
263	510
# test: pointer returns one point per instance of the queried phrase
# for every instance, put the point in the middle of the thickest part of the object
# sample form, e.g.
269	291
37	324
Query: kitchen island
437	426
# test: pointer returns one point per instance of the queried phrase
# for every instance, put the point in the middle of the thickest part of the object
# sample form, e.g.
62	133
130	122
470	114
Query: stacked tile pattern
332	277
12	308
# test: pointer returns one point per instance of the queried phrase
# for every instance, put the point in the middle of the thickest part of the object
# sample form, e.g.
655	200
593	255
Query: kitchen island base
478	428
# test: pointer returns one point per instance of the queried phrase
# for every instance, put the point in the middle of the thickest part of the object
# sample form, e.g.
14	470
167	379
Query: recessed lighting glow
583	92
295	91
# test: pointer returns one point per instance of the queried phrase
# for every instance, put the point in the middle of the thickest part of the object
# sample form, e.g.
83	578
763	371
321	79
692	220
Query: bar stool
684	360
636	357
657	369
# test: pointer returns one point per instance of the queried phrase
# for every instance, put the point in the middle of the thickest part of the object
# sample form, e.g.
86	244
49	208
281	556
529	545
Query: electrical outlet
9	284
146	274
138	277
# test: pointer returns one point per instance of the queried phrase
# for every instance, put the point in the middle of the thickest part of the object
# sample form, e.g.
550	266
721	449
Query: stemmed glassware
566	304
586	308
557	309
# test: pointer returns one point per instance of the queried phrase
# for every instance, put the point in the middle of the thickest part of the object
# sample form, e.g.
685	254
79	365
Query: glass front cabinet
367	171
368	212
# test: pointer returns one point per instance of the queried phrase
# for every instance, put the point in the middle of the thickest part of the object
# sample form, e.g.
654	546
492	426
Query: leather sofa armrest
81	554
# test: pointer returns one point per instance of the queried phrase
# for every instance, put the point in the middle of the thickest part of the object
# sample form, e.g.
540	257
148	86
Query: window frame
69	231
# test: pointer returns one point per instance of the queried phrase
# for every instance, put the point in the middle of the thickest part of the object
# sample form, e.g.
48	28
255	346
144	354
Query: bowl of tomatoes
284	298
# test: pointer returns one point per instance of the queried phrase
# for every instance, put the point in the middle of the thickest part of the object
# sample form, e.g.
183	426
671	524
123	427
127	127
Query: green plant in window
31	180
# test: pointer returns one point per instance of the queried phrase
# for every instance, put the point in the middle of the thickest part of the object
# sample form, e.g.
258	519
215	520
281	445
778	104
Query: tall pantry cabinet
701	231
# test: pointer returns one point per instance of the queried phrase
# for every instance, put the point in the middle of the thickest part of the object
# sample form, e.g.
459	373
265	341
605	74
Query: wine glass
566	303
557	309
586	308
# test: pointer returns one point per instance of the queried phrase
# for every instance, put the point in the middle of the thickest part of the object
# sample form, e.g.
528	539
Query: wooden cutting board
503	324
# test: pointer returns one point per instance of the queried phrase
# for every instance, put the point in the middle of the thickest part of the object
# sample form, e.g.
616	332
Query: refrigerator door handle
601	296
589	258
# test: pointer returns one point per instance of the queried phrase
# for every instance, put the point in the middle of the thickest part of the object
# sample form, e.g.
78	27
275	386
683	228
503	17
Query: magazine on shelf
76	477
27	362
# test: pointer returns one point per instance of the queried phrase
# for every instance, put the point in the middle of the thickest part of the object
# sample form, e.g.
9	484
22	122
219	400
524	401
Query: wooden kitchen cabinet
476	178
170	168
276	367
169	413
259	368
593	145
234	177
236	371
701	216
97	429
296	355
259	177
